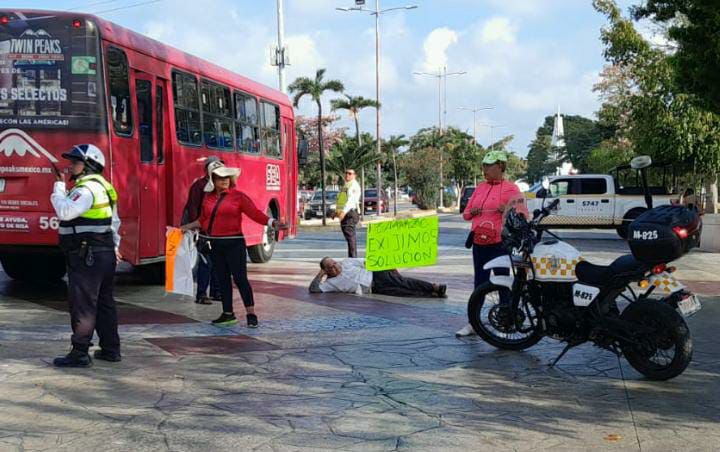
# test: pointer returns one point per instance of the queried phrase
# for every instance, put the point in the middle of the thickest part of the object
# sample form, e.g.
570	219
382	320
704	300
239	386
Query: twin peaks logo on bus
17	142
33	45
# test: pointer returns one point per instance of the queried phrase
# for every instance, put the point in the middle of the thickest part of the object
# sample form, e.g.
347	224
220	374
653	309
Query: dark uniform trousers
391	282
348	226
92	306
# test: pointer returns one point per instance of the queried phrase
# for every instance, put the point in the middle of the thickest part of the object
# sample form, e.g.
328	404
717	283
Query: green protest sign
402	243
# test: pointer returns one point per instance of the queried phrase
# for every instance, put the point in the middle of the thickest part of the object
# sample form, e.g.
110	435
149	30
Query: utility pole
474	112
377	12
280	58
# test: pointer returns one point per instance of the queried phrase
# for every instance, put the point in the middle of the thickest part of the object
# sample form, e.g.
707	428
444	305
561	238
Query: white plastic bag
180	258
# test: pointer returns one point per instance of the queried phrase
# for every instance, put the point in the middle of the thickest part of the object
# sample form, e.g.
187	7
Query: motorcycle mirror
541	193
640	162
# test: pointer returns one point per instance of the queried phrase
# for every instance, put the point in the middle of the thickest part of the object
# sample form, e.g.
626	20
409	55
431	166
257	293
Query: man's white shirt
352	279
69	206
353	196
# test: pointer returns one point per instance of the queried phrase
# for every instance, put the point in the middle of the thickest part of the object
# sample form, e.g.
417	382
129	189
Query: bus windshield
50	72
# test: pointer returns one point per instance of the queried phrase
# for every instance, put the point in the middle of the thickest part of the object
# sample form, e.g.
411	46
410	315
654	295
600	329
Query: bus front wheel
263	251
33	267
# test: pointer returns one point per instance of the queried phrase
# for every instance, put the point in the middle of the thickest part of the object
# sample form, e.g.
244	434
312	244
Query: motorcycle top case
664	234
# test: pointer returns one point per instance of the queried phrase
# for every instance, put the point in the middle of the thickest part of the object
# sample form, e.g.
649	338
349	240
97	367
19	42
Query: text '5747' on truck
601	201
156	112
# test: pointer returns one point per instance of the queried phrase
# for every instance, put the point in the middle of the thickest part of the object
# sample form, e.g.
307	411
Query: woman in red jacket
221	224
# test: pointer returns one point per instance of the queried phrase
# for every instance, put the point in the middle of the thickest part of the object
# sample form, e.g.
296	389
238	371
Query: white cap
219	169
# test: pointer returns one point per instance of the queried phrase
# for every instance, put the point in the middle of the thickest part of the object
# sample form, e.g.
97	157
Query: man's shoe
467	331
252	321
442	291
203	300
75	358
113	357
225	320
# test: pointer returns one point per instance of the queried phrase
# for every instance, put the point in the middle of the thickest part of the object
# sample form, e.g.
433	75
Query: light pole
377	12
492	128
474	112
280	57
442	76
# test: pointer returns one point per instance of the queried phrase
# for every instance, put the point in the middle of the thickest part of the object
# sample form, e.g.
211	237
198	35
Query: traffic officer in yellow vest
89	238
348	206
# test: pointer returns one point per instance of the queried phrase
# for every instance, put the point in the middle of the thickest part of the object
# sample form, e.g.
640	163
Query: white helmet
89	154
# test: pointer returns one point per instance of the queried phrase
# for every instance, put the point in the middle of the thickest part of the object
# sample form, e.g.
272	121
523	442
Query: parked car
371	201
465	197
314	207
596	200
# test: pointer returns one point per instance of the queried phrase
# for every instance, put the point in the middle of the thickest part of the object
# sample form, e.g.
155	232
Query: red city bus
155	111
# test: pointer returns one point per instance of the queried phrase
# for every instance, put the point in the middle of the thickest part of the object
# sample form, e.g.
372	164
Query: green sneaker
225	320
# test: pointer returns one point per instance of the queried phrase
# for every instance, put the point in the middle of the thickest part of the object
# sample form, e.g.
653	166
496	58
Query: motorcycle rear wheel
489	319
666	350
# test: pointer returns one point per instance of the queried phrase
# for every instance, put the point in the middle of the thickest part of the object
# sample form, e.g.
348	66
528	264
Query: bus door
151	96
290	188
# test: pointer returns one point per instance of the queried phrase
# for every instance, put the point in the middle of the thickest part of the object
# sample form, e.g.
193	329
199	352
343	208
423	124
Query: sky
524	58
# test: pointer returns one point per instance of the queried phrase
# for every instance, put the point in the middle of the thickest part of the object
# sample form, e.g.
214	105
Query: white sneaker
466	331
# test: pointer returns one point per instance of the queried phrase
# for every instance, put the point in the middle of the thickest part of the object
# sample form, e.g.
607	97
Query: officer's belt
67	230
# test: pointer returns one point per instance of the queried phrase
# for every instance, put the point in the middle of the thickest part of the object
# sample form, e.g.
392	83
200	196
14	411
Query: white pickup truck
594	201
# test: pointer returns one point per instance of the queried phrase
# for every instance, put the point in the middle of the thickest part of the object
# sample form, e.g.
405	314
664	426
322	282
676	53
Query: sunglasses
350	172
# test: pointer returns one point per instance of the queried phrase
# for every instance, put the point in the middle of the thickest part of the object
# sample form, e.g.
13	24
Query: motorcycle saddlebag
664	234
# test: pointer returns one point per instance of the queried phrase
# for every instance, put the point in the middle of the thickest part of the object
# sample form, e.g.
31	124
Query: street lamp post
492	128
280	57
442	76
377	12
474	112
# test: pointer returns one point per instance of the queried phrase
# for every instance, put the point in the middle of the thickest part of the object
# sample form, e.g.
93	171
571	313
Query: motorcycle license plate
689	306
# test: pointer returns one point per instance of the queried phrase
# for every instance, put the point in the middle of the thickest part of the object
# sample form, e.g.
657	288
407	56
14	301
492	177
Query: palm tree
315	88
347	154
392	146
353	104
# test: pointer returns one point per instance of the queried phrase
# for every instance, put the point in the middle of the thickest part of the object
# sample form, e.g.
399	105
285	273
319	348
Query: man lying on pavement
350	276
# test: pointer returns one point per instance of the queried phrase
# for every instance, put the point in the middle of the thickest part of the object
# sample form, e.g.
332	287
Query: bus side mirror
303	150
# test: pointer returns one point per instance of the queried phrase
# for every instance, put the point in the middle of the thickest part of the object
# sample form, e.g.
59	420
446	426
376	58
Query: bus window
187	109
119	83
49	74
270	133
217	116
159	122
145	124
246	123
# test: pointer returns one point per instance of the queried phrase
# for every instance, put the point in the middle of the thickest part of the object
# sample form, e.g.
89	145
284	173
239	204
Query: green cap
493	157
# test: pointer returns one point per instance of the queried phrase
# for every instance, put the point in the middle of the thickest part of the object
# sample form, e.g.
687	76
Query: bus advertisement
156	113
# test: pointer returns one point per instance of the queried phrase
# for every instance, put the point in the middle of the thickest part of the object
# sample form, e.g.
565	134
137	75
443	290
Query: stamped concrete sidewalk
333	372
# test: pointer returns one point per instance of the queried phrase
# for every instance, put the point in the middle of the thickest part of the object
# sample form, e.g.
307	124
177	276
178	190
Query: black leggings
229	259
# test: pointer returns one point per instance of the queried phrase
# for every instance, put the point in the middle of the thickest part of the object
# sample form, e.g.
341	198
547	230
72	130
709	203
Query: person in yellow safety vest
90	240
348	206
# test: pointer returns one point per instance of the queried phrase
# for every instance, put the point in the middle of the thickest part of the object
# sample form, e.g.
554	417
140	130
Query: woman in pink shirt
486	209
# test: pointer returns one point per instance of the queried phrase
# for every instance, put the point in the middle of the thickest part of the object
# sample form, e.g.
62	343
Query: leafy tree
582	135
421	172
304	86
392	147
662	120
309	174
346	154
693	26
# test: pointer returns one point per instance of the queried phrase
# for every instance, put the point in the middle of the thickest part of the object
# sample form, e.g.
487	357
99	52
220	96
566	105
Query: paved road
341	372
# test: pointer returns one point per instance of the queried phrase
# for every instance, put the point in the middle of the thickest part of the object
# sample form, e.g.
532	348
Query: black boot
75	358
113	357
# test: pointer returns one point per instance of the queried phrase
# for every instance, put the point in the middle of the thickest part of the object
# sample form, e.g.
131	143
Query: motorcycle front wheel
490	317
662	348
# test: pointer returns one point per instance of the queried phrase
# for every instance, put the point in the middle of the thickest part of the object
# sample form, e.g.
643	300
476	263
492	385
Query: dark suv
465	197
